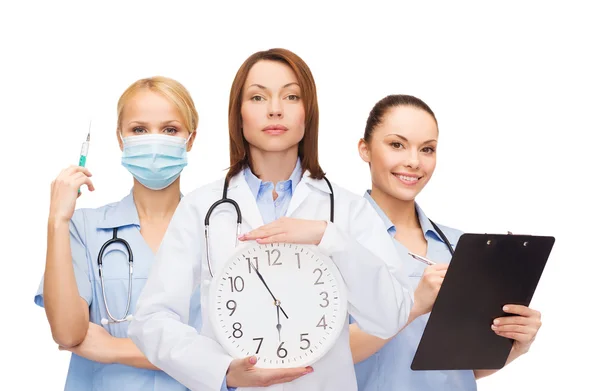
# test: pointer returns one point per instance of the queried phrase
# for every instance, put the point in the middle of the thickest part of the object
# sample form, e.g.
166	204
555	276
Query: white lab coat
379	298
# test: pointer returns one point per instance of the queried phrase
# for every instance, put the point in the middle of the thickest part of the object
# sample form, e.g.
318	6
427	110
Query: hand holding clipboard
473	323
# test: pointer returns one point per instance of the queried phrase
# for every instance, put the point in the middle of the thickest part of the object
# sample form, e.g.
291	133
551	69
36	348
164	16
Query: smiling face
273	117
401	151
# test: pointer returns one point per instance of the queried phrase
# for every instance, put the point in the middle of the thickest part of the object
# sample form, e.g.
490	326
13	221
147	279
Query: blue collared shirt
270	209
389	368
89	230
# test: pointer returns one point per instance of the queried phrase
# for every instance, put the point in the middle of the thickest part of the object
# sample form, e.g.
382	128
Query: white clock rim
222	339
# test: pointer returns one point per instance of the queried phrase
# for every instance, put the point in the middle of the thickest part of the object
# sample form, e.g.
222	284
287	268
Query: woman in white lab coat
276	179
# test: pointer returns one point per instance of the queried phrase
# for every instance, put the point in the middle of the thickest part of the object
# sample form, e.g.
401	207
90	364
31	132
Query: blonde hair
171	89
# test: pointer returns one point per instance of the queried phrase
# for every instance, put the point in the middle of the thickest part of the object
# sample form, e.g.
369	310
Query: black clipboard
486	272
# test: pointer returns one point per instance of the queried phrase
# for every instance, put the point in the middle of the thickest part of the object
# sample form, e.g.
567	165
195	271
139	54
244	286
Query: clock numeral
276	261
281	352
250	268
322	323
302	339
318	282
325	299
298	256
259	344
231	306
237	330
237	283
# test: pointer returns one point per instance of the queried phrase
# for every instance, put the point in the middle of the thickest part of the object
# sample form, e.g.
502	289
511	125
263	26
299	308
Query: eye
396	145
293	97
170	130
428	150
138	130
257	98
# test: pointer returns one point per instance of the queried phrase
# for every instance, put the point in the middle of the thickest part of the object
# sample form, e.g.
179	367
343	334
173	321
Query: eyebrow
172	121
264	88
405	139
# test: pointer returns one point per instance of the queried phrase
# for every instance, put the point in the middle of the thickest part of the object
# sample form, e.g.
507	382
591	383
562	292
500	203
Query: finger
294	377
520	310
257	233
77	169
277	238
249	362
439	273
66	171
74	169
81	179
514	320
511	328
276	376
519	337
433	280
439	267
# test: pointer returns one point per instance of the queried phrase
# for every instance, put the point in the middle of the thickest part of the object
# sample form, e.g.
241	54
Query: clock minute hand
266	286
278	323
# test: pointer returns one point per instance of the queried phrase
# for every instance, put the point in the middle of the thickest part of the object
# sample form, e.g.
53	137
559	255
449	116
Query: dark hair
239	152
384	105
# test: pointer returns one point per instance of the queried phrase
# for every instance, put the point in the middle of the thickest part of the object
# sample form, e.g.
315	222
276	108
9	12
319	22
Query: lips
408	179
275	129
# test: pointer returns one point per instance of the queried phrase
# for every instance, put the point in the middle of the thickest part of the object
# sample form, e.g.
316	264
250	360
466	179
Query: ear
119	139
191	141
364	151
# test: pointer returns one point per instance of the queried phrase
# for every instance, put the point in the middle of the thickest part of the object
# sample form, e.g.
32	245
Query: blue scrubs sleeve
79	260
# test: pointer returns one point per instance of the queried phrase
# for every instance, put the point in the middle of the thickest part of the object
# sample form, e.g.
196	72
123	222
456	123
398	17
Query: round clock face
283	303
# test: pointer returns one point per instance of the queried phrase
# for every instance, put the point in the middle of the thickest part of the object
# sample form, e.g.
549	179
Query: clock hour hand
278	323
276	302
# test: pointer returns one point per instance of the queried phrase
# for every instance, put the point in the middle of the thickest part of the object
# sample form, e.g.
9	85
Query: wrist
418	308
57	222
323	227
519	351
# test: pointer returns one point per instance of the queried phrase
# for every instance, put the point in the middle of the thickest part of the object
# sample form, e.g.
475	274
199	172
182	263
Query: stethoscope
225	200
444	238
127	317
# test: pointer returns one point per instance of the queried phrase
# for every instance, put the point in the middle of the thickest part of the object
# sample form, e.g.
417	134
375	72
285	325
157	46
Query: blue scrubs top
389	368
89	230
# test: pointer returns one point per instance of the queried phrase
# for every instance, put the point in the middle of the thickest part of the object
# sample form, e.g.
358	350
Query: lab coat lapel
239	191
303	190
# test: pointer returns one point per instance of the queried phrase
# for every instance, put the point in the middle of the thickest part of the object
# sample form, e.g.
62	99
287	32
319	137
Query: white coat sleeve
378	291
160	326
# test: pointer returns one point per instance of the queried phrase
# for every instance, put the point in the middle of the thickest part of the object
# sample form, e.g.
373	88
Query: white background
514	86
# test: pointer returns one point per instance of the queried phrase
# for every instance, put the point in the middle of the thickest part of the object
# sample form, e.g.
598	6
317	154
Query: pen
84	151
421	259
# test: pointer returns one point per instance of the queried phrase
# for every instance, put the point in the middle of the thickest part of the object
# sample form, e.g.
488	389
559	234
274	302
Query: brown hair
384	105
172	90
308	149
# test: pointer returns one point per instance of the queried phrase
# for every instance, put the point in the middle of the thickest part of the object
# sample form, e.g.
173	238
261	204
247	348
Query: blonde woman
89	310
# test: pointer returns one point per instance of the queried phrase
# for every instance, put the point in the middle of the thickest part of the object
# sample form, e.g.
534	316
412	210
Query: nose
412	159
275	109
